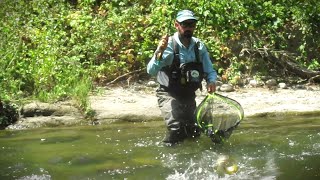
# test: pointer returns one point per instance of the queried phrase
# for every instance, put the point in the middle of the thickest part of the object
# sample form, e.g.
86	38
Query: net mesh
218	114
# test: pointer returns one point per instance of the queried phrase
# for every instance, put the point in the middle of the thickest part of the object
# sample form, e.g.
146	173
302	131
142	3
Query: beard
187	34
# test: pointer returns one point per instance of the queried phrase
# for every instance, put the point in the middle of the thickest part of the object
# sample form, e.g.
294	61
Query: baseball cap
185	15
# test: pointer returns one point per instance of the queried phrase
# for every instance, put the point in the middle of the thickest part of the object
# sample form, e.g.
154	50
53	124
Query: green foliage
59	49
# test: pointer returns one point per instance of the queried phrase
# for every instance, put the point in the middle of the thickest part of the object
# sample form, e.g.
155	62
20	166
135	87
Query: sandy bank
132	105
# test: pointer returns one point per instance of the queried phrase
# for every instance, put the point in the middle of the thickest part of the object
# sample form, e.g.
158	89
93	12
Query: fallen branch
314	79
285	61
124	75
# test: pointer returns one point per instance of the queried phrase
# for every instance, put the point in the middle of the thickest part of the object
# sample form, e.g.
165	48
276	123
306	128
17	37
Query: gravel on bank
141	105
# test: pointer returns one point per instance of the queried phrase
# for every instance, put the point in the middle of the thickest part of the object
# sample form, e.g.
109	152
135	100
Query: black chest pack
181	77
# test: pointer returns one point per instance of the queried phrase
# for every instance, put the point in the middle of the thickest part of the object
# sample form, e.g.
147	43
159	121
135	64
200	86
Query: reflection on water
260	149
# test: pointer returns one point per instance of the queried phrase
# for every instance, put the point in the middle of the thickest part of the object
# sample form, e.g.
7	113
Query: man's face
186	28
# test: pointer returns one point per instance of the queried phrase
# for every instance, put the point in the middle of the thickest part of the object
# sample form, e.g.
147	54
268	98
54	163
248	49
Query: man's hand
211	87
163	42
162	46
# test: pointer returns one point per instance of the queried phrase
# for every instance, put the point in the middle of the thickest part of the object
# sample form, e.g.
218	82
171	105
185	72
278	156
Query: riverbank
131	105
138	103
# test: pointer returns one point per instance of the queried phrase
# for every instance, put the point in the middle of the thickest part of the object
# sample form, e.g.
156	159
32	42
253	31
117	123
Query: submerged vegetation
60	49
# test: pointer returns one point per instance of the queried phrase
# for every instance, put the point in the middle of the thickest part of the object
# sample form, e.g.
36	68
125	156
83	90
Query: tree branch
124	75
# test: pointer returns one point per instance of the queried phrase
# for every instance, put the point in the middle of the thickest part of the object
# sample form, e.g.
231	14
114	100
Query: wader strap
176	58
196	51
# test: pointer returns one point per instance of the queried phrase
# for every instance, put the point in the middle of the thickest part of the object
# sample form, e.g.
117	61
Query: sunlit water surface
273	148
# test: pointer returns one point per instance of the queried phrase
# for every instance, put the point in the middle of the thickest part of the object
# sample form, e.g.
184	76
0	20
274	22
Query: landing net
218	115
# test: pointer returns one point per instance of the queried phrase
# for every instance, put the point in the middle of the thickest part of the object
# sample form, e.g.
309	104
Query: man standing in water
180	63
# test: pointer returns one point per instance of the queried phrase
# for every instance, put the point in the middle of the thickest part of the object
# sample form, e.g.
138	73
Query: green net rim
228	100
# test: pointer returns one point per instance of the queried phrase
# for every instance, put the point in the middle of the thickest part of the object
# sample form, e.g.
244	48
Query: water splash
36	177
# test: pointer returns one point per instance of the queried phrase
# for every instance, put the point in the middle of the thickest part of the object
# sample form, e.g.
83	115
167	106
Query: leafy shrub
58	49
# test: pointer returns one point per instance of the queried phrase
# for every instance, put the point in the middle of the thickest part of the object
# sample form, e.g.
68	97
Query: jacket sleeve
155	65
208	67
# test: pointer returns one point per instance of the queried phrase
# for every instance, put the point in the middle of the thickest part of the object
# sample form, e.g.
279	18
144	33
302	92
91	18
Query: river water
268	148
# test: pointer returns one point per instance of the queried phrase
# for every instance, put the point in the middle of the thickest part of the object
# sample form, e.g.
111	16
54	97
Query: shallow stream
273	148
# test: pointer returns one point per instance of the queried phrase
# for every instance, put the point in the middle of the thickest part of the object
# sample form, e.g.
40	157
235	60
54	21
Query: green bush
57	49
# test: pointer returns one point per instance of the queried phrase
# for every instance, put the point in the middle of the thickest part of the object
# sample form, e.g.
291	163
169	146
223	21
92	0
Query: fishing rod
168	25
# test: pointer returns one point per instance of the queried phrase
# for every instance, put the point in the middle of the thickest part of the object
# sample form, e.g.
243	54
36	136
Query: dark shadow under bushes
8	114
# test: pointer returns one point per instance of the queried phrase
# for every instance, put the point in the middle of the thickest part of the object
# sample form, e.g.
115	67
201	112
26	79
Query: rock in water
226	88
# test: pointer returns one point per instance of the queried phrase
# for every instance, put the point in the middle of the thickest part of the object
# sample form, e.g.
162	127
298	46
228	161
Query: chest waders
176	96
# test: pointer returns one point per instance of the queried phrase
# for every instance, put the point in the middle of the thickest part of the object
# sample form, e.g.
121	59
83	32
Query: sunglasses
188	24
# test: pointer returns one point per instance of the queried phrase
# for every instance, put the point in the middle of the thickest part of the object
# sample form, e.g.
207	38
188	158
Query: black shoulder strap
196	51
176	58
